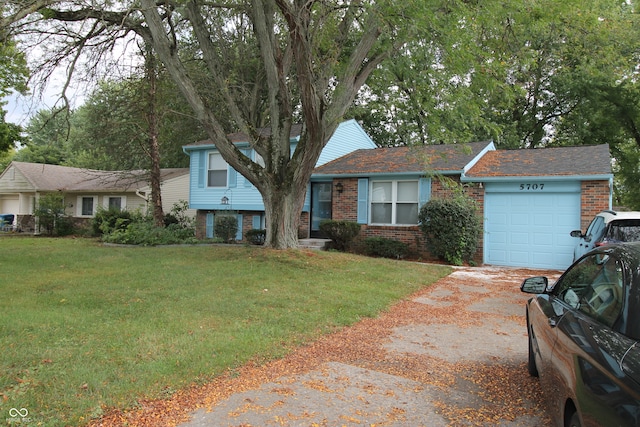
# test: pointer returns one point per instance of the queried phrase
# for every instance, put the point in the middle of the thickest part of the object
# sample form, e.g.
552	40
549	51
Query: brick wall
594	199
247	223
344	207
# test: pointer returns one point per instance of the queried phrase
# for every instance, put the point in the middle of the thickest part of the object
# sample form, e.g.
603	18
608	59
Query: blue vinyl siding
242	195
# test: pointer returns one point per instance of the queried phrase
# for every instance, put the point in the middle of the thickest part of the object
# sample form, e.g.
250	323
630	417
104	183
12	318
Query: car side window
594	287
595	229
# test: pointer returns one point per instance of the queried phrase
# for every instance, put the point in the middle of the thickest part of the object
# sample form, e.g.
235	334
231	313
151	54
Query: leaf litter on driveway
453	354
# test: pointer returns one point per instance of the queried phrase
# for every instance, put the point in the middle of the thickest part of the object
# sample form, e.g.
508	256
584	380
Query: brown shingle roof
440	158
579	160
44	177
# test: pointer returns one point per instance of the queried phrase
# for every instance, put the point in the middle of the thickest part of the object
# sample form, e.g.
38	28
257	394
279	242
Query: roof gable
450	158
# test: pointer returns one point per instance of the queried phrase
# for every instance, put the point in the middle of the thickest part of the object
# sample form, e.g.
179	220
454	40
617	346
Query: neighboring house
174	189
85	190
530	199
215	187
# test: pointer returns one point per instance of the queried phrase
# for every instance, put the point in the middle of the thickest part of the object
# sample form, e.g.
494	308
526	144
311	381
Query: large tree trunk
324	93
282	211
154	146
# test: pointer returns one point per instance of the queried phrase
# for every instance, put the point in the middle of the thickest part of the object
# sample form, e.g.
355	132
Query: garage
527	223
9	204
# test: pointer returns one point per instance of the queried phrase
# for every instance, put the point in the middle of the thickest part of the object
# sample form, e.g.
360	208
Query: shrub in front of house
51	216
106	221
452	228
256	236
386	248
146	233
225	227
341	233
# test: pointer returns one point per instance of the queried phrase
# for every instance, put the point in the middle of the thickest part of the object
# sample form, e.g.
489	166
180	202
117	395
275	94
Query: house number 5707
531	187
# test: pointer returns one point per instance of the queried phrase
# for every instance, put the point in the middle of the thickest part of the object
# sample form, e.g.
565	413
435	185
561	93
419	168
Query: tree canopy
300	59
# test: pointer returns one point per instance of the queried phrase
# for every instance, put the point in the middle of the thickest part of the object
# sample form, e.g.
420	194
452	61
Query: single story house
530	199
85	190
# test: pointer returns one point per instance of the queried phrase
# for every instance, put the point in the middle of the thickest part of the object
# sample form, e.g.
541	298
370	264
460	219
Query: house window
217	171
394	202
86	205
114	203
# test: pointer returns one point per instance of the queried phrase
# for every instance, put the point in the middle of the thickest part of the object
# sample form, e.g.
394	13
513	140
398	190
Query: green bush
452	228
225	227
341	233
179	215
146	233
386	248
256	236
106	221
50	212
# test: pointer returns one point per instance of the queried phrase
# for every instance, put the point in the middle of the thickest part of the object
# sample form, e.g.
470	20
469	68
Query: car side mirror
535	285
576	233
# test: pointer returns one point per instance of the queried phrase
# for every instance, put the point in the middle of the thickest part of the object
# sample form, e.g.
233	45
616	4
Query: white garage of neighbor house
533	199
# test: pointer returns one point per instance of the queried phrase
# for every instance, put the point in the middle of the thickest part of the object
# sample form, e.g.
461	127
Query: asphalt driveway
452	355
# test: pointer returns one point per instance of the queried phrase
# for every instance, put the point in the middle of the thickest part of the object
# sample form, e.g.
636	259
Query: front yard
86	327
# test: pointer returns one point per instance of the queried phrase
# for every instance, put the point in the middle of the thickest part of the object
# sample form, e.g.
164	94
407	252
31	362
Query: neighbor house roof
402	160
44	177
583	160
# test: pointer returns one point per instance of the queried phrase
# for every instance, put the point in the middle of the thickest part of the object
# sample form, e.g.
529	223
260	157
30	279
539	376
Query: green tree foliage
13	77
267	62
512	71
46	141
110	128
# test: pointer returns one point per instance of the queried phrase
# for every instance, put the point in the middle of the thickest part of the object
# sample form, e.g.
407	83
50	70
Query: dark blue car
584	333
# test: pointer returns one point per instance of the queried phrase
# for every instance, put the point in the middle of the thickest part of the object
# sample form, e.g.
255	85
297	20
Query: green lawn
85	326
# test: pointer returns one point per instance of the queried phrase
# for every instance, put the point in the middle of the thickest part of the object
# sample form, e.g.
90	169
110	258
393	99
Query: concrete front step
318	244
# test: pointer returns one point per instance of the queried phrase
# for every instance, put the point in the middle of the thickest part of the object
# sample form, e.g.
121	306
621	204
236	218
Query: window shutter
363	201
202	166
233	177
239	233
247	152
256	222
425	191
209	227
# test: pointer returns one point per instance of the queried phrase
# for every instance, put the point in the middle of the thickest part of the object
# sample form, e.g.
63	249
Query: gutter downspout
144	196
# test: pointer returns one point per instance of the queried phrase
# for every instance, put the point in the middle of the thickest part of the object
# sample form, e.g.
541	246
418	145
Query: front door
320	205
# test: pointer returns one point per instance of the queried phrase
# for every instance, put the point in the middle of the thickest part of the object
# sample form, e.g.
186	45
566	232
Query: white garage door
9	205
528	224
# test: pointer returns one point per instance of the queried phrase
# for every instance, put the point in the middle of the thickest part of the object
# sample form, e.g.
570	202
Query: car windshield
627	230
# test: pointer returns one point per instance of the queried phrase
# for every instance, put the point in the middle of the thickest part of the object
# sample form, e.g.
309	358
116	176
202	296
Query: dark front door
320	205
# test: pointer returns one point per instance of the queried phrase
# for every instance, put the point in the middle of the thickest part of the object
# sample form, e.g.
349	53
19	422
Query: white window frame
393	200
79	204
123	201
209	170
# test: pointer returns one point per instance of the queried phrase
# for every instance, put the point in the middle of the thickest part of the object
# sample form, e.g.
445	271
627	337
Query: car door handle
553	321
